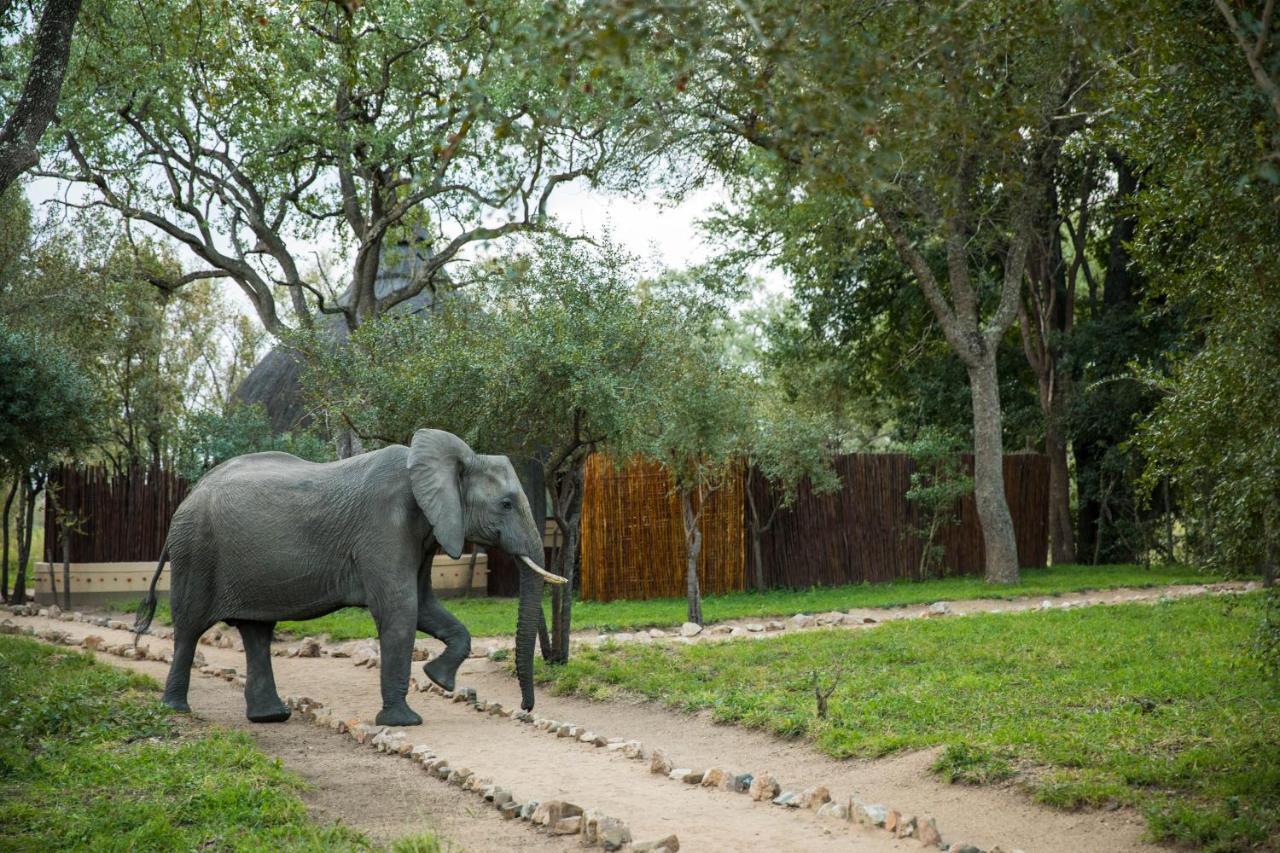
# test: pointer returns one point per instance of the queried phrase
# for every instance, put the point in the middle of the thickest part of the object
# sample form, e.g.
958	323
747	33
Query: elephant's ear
436	462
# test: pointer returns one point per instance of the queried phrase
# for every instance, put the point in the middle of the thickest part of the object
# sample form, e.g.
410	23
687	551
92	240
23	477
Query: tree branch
38	102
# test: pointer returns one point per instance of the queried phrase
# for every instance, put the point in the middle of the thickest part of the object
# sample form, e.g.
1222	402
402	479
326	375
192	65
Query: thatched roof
274	381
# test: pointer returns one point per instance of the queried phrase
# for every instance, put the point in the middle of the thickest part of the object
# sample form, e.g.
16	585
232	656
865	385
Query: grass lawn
489	617
1158	706
90	760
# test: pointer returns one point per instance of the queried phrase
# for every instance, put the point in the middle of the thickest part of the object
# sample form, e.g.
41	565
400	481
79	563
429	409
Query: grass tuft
963	763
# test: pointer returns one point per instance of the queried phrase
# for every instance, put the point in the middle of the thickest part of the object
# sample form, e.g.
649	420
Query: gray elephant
268	536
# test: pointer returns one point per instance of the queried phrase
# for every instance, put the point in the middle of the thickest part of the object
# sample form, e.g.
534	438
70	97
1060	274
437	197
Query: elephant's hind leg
262	703
179	680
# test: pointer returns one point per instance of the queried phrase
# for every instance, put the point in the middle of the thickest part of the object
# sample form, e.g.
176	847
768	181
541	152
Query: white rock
690	629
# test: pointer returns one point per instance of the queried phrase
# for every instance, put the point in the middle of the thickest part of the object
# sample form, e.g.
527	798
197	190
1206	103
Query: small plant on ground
937	485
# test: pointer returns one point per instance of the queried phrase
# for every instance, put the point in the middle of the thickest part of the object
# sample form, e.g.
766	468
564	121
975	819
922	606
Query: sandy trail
351	779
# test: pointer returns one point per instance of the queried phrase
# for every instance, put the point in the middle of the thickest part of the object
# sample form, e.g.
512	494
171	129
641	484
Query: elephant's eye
506	503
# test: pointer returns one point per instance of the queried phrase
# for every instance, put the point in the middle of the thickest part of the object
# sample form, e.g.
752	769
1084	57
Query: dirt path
351	781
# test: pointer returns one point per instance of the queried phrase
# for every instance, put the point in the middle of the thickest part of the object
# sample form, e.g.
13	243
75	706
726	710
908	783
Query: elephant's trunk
527	632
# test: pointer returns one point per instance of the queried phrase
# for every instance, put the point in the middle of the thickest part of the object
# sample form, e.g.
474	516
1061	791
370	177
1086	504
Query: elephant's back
283	506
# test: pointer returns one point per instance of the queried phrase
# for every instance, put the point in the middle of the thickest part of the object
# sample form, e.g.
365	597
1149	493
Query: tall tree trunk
753	524
1061	528
36	106
999	542
569	509
31	485
693	547
4	548
1045	313
66	568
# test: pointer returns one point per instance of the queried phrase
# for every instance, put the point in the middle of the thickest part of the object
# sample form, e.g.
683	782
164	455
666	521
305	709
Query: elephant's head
469	497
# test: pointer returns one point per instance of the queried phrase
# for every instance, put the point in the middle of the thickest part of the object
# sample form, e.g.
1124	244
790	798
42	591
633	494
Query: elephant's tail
147	609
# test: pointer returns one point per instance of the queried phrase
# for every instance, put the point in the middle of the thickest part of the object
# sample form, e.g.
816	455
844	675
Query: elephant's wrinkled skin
268	537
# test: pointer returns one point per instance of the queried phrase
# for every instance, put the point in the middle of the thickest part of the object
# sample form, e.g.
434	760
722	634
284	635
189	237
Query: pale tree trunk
693	547
1061	529
976	343
998	539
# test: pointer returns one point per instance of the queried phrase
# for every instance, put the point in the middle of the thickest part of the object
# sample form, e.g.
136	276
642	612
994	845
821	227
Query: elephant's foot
268	712
398	715
441	672
177	704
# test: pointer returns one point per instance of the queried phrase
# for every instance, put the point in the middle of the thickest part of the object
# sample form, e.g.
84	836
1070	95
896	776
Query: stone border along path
559	817
364	652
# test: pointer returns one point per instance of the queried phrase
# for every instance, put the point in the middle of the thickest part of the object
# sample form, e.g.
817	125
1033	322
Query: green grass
493	617
489	617
89	760
1158	706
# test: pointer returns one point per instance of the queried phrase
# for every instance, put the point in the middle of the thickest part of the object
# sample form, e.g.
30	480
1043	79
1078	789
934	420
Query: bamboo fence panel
120	517
633	534
865	531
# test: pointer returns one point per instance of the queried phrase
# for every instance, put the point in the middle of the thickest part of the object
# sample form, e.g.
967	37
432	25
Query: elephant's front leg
396	630
434	620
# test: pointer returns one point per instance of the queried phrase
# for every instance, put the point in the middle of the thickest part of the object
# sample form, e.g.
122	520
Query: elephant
267	537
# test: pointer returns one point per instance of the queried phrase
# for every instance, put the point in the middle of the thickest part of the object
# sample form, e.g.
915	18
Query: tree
46	409
795	424
701	432
1207	236
30	113
270	127
211	436
559	355
940	124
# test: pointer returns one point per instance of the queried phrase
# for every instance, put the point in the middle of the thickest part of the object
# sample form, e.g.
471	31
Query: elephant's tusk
550	578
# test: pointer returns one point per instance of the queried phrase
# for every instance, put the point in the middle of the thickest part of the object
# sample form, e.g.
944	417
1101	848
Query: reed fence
866	530
115	517
633	534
